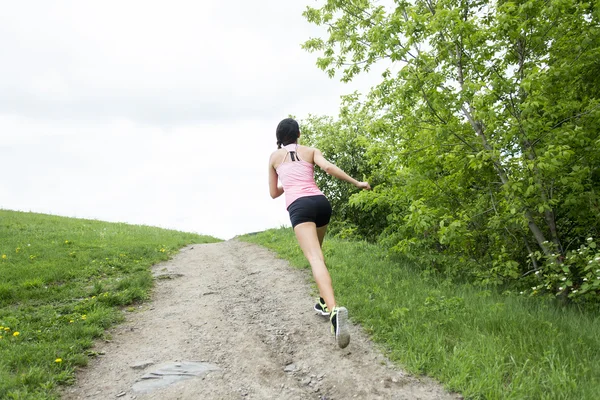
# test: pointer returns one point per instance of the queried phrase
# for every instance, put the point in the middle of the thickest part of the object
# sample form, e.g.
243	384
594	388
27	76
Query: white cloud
198	178
171	62
153	112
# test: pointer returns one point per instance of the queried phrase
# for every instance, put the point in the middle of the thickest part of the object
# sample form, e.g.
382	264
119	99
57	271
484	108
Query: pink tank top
296	176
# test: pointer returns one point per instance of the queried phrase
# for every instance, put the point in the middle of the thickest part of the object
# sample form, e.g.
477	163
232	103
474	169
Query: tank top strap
284	157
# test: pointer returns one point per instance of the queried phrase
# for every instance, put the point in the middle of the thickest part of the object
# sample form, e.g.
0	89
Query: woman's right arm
275	189
337	172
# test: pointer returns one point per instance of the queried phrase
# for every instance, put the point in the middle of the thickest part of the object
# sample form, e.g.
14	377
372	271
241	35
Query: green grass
63	281
480	343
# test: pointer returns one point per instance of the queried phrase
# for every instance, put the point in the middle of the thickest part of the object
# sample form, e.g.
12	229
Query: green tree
344	142
487	121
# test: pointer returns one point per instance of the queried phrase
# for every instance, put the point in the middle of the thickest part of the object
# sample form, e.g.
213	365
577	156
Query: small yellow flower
4	257
16	333
71	321
66	242
162	250
83	316
58	360
7	329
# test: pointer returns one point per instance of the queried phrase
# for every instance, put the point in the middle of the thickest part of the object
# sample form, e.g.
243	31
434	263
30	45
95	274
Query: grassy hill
63	281
484	343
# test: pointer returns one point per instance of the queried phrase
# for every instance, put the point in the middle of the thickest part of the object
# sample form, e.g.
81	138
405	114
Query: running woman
293	165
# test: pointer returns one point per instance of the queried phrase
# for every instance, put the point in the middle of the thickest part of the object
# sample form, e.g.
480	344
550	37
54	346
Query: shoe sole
323	313
342	335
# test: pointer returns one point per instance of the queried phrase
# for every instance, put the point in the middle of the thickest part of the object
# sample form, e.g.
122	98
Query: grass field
64	281
476	341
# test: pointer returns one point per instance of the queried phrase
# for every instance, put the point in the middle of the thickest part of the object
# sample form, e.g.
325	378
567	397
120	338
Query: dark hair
287	132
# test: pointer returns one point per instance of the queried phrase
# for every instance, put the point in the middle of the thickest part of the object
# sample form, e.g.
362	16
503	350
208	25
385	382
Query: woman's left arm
274	188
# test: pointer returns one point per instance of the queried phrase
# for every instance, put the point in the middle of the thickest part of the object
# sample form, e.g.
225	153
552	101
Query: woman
310	211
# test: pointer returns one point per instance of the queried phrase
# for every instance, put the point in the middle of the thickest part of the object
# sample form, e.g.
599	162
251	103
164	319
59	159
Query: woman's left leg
310	242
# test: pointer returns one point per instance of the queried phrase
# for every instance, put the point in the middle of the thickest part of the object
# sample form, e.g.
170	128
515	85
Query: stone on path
171	373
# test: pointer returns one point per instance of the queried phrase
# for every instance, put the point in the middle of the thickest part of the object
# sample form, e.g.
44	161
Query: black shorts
310	209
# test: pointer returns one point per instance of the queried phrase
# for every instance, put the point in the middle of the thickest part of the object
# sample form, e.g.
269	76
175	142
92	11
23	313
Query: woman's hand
363	185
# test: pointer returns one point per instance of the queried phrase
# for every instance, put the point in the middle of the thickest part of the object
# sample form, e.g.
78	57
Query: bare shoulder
311	150
273	154
308	153
276	156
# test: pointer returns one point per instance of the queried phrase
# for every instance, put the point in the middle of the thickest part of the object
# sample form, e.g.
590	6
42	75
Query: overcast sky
160	113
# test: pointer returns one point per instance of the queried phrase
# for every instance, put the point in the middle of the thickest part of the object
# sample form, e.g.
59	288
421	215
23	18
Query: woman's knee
316	258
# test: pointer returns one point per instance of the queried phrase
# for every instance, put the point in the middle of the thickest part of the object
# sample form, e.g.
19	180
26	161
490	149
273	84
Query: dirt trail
236	306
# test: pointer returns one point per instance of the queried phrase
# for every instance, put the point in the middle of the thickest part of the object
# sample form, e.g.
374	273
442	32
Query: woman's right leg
321	231
310	239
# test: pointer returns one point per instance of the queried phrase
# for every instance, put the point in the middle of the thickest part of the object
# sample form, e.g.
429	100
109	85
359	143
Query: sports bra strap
293	154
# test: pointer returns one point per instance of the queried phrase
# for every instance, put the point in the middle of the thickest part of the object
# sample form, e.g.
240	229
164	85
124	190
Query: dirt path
236	306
